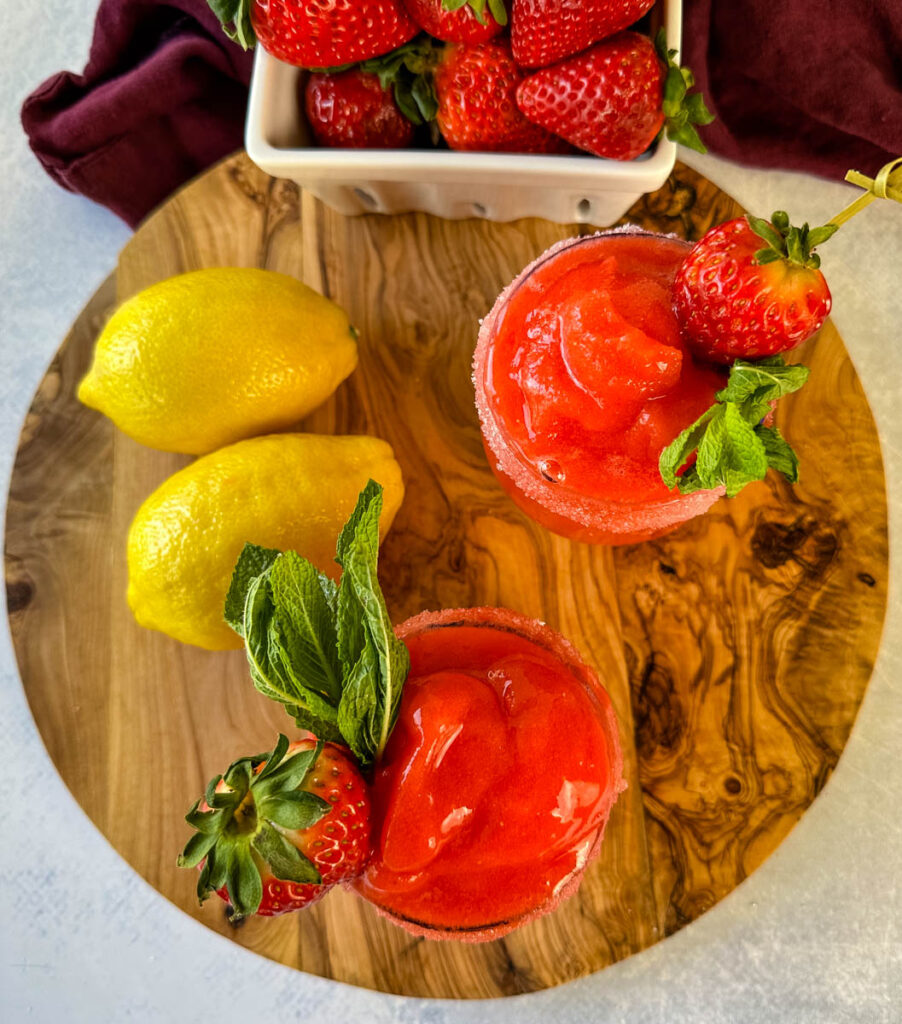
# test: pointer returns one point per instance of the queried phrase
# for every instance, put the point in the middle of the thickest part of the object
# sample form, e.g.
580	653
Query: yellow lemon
210	357
288	491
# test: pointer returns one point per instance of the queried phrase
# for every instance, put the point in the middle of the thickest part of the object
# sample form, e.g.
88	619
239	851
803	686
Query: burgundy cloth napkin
809	85
163	96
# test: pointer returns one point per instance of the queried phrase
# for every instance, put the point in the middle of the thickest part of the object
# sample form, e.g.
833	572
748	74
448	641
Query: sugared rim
589	512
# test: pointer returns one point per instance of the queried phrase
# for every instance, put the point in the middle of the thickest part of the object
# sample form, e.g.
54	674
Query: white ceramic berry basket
496	186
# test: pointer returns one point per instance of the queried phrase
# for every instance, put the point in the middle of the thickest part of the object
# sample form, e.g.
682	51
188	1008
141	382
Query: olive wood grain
736	650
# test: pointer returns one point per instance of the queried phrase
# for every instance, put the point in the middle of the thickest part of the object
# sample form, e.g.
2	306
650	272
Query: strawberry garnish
615	98
276	831
317	33
737	299
477	110
459	21
545	31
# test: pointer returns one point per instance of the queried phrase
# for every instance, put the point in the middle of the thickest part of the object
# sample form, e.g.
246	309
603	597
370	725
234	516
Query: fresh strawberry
459	21
476	87
545	31
354	111
614	99
737	300
317	33
278	830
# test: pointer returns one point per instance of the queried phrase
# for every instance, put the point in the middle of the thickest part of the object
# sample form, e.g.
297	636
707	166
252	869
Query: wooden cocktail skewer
886	185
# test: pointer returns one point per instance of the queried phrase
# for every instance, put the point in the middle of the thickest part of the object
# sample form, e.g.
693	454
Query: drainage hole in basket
583	209
479	210
367	198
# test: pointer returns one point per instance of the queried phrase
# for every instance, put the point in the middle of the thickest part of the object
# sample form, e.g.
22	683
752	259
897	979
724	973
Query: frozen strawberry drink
498	779
582	380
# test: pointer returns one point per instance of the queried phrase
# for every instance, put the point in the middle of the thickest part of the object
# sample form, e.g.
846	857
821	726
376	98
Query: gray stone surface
814	935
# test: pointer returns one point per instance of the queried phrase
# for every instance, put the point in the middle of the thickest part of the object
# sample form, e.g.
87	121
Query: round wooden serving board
736	650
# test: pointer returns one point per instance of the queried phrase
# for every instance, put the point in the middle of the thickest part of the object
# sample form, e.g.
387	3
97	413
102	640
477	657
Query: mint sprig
326	652
733	446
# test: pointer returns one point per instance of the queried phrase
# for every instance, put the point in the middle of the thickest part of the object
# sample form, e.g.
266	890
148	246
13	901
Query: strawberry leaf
235	18
284	859
499	11
817	236
275	758
733	448
769	233
243	881
408	72
197	847
294	810
795	245
682	110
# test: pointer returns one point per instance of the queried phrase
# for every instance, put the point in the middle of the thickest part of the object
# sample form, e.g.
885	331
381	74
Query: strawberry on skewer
738	299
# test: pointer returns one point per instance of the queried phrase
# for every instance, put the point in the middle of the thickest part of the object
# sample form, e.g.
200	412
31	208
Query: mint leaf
358	712
324	729
780	455
732	446
772	373
375	663
304	626
272	671
676	453
252	561
756	385
731	453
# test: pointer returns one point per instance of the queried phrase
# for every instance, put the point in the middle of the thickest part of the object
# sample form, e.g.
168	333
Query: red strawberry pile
527	76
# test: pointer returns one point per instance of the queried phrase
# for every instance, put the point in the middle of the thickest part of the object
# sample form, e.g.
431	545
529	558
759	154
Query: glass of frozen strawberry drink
582	380
498	779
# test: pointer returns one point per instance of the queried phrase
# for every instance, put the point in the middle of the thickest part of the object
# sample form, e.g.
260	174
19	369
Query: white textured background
815	935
